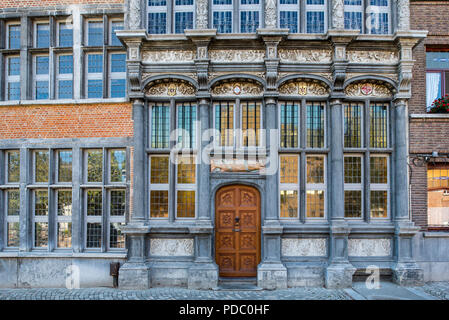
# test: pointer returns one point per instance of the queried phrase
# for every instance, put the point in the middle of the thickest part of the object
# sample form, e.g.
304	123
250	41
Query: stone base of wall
305	275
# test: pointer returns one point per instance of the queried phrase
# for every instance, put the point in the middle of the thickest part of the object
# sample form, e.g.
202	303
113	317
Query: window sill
62	101
430	116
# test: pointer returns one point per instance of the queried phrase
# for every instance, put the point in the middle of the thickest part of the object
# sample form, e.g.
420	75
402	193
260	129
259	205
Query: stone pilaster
271	14
135	15
202	14
403	9
338	20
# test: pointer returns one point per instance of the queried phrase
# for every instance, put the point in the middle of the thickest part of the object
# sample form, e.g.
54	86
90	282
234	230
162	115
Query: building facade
197	141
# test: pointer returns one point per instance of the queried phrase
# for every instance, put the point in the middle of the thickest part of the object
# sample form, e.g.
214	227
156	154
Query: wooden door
237	231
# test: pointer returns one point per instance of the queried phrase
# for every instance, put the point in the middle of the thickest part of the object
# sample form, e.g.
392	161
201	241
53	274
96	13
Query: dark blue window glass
379	23
95	88
353	2
184	2
315	22
42	35
249	21
118	88
14	37
14	66
41	90
157	23
288	1
289	125
42	65
95	63
95	33
157	3
249	1
353	20
160	126
223	21
116	25
65	64
315	2
65	89
183	20
13	91
380	3
223	2
289	19
65	35
186	125
118	62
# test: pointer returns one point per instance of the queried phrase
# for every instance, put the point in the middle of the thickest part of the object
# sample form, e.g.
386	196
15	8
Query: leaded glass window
185	187
117	166
65	34
116	237
41	77
64	165
315	16
116	25
13	166
94	75
289	124
315	125
173	16
12	78
12	217
95	33
40	217
368	16
159	177
289	185
42	35
379	186
353	125
186	119
315	186
251	119
118	75
160	125
224	123
379	125
94	162
13	36
41	163
64	218
65	77
353	173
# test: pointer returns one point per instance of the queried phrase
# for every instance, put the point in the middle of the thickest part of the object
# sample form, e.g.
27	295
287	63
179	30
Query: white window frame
316	8
115	75
290	186
185	187
182	8
40	77
382	9
86	28
67	22
357	186
61	219
110	33
224	8
317	187
159	186
159	9
36	24
63	76
248	7
8	218
10	79
289	8
8	26
93	75
357	8
39	219
381	186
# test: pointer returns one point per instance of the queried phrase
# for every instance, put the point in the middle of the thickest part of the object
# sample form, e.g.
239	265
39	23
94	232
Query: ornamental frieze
367	89
213	75
237	55
305	56
237	88
387	57
170	89
392	76
304	88
325	75
164	56
147	75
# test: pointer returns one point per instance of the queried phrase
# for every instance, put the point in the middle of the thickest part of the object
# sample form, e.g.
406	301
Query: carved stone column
338	20
403	15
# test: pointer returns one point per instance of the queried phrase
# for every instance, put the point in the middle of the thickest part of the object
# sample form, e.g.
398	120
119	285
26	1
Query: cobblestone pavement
436	290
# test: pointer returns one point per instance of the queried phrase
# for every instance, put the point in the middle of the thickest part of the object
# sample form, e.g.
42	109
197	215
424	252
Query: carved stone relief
304	88
171	247
237	55
212	75
392	76
147	75
327	76
170	89
338	21
164	56
370	89
237	88
201	14
369	247
270	14
305	56
312	247
357	56
134	14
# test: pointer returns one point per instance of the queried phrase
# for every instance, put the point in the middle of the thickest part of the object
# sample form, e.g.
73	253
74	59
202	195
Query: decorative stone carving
201	14
369	247
235	165
357	56
392	76
234	55
152	74
307	247
364	89
403	15
306	56
303	88
270	14
237	88
213	75
134	15
171	247
338	21
164	56
327	76
170	89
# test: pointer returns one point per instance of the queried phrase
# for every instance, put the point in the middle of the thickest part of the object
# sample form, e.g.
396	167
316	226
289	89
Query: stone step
235	284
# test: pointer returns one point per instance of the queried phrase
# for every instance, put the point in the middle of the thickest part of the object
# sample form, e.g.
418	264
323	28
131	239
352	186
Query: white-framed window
316	184
94	36
353	184
289	15
379	186
159	186
12	217
353	15
244	16
64	76
12	78
13	30
316	16
117	78
170	16
289	186
41	34
65	34
41	77
368	16
40	218
115	25
94	72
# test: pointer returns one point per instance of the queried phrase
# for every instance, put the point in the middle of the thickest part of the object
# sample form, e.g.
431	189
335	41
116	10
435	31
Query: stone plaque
304	247
369	247
171	247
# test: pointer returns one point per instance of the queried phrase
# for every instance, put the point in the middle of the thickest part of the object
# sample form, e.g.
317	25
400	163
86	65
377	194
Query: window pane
289	169
95	88
437	60
159	204
13	158
13	91
353	125
65	89
118	166
433	88
118	62
95	33
116	238
41	90
42	64
186	170
41	166
66	64
95	165
65	166
378	130
40	234
116	25
289	203
353	203
118	202
183	20
65	203
13	206
157	23
353	20
160	126
379	204
64	234
14	66
42	35
289	19
41	203
186	204
315	125
94	202
315	204
289	124
378	23
14	36
250	123
249	21
155	3
93	235
95	63
65	35
186	125
378	170
118	88
224	123
353	169
13	234
437	177
159	169
222	21
315	169
315	22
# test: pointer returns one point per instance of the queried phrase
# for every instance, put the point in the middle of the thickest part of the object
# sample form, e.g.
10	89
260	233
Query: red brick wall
426	135
44	3
67	121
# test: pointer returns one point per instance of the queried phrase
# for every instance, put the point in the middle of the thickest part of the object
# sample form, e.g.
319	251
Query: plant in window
440	105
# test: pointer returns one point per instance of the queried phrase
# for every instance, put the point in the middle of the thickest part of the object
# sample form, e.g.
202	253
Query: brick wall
68	121
47	3
426	135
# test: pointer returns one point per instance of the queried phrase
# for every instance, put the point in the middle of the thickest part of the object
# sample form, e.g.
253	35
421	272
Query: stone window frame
40	77
58	30
159	186
13	219
186	187
382	187
36	23
236	10
45	219
170	9
105	186
7	32
10	78
365	4
62	218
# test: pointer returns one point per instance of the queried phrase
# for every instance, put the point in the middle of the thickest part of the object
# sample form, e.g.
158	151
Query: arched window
303	16
170	16
368	16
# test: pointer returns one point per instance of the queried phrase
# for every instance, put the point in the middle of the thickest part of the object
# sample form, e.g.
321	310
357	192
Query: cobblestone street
437	291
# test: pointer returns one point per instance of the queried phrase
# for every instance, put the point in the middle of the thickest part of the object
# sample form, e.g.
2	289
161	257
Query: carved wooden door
237	231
